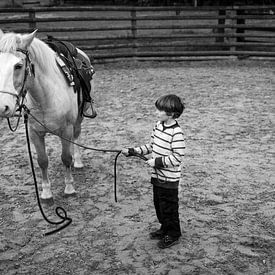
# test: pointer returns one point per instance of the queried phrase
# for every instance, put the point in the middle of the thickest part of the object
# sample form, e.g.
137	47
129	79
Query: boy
167	147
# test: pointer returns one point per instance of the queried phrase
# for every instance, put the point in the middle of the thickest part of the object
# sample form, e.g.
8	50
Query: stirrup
86	112
93	115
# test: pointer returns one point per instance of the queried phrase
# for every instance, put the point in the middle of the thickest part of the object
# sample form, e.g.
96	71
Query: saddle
76	68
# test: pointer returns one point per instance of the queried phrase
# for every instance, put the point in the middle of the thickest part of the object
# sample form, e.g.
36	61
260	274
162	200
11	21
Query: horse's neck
38	85
39	97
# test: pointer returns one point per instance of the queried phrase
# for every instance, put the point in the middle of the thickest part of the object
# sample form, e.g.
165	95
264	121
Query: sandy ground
227	195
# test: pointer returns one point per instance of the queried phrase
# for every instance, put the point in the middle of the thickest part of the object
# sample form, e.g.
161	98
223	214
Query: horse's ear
27	39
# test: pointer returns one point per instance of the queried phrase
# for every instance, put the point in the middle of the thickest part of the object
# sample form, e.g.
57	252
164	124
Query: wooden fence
152	32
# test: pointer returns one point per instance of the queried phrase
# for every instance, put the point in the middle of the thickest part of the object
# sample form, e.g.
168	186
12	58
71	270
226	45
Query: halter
29	70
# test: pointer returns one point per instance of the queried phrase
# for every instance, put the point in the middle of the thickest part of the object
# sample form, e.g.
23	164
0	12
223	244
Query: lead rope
27	111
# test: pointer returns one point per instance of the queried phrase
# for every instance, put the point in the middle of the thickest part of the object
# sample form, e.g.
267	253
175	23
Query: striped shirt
167	147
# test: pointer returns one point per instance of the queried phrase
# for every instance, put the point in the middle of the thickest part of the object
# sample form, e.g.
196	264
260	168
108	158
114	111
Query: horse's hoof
70	195
48	201
78	165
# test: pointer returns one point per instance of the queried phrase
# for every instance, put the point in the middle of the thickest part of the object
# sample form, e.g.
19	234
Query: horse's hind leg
67	160
42	159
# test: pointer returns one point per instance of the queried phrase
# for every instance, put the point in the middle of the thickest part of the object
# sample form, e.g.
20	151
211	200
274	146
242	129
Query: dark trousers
166	203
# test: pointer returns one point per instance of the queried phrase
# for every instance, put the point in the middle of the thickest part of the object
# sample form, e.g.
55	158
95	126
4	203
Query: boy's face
162	116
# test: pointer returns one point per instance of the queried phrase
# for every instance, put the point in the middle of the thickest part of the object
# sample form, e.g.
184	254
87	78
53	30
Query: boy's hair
171	104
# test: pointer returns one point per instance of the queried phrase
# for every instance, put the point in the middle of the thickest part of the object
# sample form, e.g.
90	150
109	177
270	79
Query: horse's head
15	66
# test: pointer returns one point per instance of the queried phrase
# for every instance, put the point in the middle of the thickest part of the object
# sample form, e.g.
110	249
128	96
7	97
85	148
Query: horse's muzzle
8	105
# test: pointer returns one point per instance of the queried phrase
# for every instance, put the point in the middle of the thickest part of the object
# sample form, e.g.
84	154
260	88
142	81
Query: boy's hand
125	152
151	162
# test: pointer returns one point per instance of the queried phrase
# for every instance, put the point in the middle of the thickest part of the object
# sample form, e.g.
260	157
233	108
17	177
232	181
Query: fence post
134	30
240	21
221	22
32	24
233	30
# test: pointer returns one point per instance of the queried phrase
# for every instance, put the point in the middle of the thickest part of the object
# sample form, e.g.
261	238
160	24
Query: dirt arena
227	191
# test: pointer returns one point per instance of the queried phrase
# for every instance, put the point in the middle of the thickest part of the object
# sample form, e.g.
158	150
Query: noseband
29	70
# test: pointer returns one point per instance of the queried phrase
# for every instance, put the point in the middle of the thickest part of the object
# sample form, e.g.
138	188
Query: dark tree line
235	2
169	2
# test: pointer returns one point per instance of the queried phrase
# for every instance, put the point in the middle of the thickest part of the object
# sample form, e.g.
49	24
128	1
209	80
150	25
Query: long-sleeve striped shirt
167	147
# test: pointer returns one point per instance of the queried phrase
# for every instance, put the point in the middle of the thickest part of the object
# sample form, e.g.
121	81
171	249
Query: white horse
28	65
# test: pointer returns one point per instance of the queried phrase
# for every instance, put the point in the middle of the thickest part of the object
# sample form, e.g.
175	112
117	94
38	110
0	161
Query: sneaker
156	235
167	241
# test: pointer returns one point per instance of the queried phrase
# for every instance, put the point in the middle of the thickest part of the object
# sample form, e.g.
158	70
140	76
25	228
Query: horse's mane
40	52
9	42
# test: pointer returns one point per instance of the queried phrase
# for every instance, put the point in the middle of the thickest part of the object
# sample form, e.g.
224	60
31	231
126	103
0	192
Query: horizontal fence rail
152	32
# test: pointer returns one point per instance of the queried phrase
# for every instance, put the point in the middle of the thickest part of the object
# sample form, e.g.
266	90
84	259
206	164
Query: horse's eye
18	66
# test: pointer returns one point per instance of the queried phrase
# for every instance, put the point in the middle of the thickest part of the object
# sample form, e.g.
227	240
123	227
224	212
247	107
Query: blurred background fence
159	33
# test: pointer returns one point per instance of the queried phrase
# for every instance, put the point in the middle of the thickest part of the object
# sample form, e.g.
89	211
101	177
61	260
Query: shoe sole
156	238
167	246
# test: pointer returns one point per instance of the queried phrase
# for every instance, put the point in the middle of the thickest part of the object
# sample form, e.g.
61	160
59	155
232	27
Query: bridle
29	71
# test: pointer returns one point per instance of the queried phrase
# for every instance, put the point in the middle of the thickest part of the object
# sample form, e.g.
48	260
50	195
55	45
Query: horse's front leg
67	160
76	151
42	159
77	157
